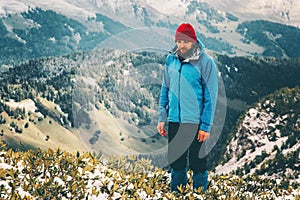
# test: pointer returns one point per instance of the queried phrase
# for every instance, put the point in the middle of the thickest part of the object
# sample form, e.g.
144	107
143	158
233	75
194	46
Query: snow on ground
234	163
105	183
78	11
255	128
12	6
285	11
28	104
169	7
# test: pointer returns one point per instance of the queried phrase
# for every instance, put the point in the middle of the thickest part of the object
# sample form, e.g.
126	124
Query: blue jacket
189	90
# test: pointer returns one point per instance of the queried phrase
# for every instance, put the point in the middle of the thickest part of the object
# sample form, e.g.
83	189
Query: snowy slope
69	8
217	21
130	13
265	142
284	11
176	8
253	131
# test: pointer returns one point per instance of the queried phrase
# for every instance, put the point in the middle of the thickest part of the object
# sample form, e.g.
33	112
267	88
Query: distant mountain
105	95
277	39
246	81
38	28
112	95
266	140
284	11
39	33
94	68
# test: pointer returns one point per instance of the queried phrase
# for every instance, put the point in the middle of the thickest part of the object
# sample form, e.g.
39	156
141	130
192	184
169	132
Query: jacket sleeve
210	93
164	97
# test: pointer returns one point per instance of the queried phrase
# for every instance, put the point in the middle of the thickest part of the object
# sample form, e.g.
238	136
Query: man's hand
202	136
161	129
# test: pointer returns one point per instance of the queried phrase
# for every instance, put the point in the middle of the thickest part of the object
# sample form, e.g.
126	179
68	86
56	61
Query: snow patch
83	11
256	134
27	104
109	63
169	7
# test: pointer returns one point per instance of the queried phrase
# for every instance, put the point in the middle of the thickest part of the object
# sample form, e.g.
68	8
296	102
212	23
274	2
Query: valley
84	77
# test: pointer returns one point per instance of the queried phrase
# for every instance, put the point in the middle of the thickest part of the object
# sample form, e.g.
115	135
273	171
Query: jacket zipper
179	110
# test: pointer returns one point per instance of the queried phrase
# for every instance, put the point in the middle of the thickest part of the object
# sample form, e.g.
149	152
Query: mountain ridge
267	9
88	23
113	82
266	139
59	57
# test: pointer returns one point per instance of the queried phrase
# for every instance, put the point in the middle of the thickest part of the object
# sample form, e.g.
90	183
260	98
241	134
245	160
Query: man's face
184	46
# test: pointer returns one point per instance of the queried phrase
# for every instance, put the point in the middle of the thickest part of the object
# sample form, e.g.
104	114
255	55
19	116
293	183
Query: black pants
183	146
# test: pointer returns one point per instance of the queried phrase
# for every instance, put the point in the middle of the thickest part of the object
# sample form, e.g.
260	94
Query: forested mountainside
37	32
85	76
247	80
277	39
127	85
266	138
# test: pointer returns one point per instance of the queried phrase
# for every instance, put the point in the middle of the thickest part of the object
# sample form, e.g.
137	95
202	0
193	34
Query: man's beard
187	54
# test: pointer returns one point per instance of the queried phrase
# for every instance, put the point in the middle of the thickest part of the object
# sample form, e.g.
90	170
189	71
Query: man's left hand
202	136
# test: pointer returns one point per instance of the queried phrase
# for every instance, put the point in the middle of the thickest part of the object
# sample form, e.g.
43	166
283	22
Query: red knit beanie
185	32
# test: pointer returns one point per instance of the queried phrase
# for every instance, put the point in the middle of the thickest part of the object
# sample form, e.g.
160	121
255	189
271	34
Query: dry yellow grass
43	134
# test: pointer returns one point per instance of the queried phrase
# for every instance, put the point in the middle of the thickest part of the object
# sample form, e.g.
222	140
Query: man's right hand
161	129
